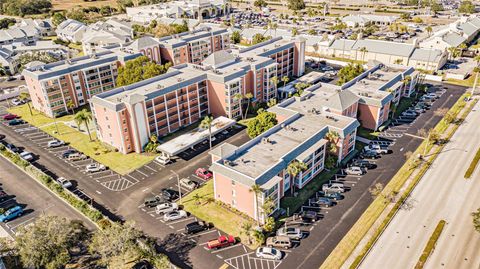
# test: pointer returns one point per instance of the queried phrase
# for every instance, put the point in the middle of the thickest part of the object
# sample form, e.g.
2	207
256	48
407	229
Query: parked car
364	164
368	154
55	143
333	187
12	148
188	184
67	184
411	114
376	148
221	242
324	201
2	136
3	196
354	170
16	102
10	116
27	156
196	227
153	201
279	242
15	122
203	173
418	109
12	213
165	208
431	95
268	253
293	233
67	153
174	215
95	167
76	156
309	216
169	194
332	195
163	159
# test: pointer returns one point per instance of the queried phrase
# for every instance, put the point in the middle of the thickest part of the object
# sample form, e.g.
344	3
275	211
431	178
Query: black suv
309	216
369	155
364	164
13	148
169	194
196	227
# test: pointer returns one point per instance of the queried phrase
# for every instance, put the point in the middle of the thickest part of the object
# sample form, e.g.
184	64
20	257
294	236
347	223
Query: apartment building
299	135
194	46
53	86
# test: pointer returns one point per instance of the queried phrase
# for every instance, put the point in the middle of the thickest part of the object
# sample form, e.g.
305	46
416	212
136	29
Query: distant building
362	20
190	9
106	33
71	31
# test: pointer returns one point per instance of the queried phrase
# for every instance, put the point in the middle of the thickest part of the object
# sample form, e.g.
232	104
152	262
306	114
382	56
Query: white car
432	95
174	215
335	187
163	159
55	143
268	253
64	182
354	170
409	114
77	156
95	167
16	102
376	148
165	208
27	156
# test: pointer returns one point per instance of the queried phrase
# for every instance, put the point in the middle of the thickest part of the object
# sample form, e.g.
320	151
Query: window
234	194
233	182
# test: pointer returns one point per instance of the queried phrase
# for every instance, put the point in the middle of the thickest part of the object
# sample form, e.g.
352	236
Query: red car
203	173
221	242
10	117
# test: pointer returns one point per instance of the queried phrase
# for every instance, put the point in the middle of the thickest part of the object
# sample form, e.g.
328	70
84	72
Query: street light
178	183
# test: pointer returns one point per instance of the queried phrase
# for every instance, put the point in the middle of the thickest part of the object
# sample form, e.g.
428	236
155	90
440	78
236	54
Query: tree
271	102
239	98
247	230
294	169
58	18
83	117
269	225
236	37
139	69
260	3
294	32
285	80
256	190
207	124
466	7
476	220
25	7
349	72
259	38
25	97
249	97
295	4
45	243
429	30
70	105
364	51
118	245
261	123
376	190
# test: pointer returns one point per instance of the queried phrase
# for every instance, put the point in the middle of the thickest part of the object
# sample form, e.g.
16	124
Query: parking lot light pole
178	183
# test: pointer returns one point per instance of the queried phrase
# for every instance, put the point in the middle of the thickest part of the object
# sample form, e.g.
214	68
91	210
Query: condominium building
300	134
195	46
53	86
182	96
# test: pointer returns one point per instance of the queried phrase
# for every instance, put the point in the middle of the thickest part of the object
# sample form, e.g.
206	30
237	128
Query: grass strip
430	244
350	241
473	164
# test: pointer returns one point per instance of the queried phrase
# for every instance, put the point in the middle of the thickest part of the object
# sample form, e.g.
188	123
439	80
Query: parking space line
200	234
146	166
181	220
138	170
23	222
223	249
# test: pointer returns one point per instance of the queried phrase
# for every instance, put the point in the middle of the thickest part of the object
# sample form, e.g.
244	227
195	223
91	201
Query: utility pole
178	183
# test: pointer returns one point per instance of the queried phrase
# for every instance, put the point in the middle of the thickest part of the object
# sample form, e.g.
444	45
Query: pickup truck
221	242
376	148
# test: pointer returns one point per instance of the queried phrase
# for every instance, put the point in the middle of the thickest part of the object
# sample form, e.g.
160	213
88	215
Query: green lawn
294	203
118	162
211	211
465	82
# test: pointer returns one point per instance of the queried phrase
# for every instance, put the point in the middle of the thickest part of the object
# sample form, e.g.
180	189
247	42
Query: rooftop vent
332	118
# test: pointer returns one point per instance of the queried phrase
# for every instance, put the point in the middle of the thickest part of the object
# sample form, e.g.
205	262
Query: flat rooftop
267	46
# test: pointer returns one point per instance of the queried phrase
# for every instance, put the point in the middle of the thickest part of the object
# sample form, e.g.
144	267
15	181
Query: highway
443	193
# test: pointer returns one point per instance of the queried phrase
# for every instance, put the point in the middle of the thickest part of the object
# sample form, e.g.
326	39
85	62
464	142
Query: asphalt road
35	199
442	193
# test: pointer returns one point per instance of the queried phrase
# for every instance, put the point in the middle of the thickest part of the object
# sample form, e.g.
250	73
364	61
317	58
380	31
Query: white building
107	33
192	9
71	31
361	20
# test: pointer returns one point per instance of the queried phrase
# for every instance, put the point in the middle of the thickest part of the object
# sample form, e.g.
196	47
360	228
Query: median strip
430	245
473	165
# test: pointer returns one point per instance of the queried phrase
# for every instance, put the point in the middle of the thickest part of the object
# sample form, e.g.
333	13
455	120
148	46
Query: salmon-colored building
53	86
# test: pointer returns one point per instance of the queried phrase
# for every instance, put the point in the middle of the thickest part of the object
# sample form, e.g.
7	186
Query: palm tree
249	97
452	51
274	81
25	96
83	117
71	105
285	80
294	169
332	137
247	230
239	97
364	51
207	124
429	30
294	32
268	206
256	189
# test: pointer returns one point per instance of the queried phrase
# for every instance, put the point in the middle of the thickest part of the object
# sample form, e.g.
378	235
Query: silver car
293	233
